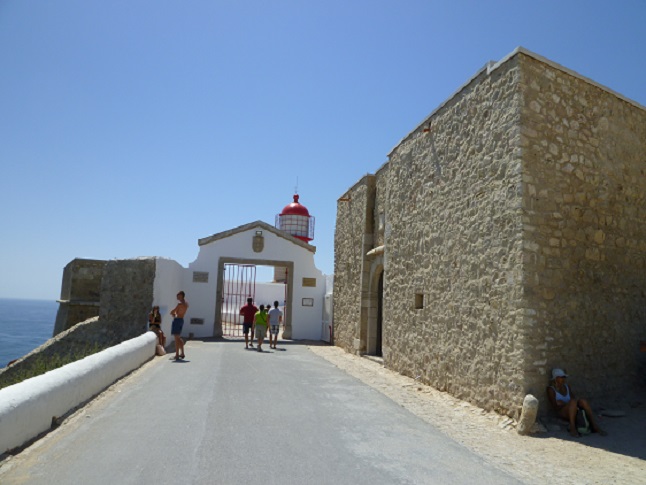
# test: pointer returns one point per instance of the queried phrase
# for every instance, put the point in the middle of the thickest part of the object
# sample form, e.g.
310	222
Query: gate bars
239	284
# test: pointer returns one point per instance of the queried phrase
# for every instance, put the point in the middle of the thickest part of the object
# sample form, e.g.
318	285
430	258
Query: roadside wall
27	408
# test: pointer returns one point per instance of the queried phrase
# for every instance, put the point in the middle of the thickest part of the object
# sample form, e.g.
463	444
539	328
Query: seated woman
566	404
154	319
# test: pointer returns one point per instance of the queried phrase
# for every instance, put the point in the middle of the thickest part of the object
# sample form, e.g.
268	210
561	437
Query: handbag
582	422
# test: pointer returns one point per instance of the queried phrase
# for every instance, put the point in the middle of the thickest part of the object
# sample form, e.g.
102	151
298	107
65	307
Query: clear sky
135	127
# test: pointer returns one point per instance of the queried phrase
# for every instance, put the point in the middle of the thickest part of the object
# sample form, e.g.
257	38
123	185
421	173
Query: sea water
24	325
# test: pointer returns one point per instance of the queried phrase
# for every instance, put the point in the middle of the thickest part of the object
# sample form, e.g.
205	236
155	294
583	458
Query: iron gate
239	284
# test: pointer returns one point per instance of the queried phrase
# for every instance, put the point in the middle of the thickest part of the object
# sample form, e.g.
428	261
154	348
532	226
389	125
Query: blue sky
134	128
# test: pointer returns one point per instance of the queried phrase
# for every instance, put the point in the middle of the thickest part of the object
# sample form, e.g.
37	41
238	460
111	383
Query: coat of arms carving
258	243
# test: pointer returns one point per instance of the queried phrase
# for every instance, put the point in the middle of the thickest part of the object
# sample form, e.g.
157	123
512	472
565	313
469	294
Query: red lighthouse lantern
295	219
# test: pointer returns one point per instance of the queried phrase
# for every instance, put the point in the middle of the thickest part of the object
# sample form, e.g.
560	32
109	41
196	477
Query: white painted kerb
27	408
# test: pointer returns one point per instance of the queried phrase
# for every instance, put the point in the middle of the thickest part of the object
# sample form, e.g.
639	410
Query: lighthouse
295	220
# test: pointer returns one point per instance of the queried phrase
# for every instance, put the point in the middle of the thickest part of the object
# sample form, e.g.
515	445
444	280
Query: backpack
582	423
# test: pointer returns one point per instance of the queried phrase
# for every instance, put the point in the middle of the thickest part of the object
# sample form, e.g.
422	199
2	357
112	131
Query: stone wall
353	234
514	241
452	301
379	216
127	296
80	293
584	200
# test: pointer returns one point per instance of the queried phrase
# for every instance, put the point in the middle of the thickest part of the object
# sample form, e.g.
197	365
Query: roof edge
245	227
491	66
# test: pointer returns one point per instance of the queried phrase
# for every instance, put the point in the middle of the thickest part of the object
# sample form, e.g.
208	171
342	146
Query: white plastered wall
306	321
170	278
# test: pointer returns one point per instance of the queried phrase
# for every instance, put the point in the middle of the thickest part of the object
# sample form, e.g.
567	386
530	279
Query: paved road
231	416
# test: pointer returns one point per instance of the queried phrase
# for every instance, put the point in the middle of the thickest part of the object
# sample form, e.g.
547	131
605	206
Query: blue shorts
176	328
246	327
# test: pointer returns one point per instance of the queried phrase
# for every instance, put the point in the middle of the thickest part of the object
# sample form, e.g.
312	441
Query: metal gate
239	284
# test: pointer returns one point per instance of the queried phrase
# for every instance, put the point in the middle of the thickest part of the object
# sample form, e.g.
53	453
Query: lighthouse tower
294	219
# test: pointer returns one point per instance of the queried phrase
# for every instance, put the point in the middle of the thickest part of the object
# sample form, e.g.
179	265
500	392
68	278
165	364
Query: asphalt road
227	415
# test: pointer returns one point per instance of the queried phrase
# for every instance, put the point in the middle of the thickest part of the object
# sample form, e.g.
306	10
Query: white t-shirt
274	316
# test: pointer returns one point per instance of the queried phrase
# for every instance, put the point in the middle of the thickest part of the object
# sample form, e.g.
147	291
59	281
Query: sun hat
558	373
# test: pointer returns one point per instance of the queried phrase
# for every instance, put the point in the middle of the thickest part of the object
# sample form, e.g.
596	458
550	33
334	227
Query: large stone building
504	236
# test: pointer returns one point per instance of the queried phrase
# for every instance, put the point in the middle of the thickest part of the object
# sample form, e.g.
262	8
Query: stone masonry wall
584	199
454	245
80	293
379	223
127	296
353	234
514	227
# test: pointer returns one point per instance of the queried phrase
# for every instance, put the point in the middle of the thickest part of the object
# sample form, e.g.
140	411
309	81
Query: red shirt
248	311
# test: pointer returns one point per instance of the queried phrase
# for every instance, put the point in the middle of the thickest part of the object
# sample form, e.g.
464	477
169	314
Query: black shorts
246	327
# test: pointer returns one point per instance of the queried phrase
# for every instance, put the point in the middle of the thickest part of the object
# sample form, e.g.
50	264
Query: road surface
226	415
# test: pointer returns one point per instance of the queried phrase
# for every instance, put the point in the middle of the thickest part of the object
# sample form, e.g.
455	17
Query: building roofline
359	182
246	227
491	66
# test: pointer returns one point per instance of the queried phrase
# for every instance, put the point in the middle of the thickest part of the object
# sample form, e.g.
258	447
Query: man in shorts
275	319
178	322
248	312
260	322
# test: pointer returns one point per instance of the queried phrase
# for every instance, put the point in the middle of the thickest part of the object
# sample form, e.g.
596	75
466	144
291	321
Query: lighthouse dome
295	208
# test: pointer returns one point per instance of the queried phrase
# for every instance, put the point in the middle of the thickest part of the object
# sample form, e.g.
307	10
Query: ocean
24	325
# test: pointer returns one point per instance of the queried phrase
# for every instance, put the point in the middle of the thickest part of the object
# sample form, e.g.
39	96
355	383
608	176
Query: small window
197	321
419	301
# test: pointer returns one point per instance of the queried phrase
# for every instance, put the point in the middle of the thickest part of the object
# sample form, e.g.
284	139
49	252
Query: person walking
275	319
260	322
248	313
178	322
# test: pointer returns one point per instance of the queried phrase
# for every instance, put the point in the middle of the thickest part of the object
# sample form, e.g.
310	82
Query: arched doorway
219	324
374	334
380	313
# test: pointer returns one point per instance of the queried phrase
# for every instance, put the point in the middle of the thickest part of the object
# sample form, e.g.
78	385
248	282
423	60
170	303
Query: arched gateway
222	277
256	243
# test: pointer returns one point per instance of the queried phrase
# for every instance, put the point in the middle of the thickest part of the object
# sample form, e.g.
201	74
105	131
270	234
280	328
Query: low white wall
27	408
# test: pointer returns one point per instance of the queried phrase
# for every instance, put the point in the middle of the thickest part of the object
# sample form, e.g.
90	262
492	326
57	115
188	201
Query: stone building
504	236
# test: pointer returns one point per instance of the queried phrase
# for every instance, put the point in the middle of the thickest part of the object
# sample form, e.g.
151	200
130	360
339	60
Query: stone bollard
528	415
